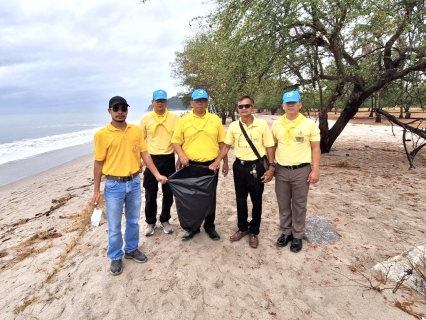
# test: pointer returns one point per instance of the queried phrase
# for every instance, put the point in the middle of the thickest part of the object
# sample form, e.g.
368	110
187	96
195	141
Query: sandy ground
53	264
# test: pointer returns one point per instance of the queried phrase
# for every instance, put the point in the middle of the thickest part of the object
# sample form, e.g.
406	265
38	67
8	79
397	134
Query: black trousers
246	184
209	220
166	166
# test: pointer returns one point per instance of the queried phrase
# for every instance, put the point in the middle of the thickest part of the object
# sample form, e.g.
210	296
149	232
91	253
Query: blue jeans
116	194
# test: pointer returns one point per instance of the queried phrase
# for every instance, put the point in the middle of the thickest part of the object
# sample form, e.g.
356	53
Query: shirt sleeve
178	134
99	149
221	134
142	125
315	133
274	132
268	140
229	138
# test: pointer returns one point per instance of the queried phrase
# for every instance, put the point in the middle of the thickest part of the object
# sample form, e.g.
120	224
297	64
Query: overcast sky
79	53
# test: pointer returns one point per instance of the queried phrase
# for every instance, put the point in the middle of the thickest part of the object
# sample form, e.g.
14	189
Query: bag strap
250	142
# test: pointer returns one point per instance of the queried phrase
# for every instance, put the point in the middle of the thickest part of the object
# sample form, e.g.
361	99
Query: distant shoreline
15	171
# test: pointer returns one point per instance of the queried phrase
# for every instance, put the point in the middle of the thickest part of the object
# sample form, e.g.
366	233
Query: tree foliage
338	53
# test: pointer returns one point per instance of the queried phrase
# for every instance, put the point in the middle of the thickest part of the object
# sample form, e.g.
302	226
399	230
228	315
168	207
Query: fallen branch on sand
417	143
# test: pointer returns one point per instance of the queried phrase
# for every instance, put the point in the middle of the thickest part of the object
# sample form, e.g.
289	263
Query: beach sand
53	264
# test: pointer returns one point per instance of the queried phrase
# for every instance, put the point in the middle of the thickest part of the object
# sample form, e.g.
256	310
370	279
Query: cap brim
111	105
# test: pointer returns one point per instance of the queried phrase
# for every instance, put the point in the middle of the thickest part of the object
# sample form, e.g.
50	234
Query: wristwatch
272	164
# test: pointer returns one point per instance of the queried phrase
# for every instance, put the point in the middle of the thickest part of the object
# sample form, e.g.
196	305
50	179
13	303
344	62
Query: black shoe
189	234
283	240
296	245
136	255
116	267
213	234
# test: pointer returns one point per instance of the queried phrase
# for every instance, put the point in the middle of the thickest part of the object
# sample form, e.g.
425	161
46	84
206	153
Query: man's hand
313	177
225	168
215	165
268	175
184	160
95	198
162	179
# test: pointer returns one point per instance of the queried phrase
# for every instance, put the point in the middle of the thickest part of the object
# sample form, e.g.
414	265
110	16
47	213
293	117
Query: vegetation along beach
357	69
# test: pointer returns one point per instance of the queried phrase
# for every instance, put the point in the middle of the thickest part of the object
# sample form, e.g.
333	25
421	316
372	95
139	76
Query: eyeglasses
161	101
200	101
246	106
117	108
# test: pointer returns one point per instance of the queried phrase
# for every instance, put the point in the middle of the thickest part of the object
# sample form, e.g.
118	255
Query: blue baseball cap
159	95
199	94
291	96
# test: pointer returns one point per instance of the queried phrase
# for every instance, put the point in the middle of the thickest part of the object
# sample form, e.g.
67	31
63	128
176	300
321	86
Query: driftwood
417	144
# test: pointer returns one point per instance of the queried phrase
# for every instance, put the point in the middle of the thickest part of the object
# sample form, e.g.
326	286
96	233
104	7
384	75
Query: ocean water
32	143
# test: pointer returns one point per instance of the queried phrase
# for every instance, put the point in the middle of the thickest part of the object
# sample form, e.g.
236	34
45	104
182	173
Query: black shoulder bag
263	160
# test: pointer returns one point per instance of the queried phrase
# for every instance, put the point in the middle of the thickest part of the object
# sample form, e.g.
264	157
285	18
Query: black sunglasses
116	108
241	106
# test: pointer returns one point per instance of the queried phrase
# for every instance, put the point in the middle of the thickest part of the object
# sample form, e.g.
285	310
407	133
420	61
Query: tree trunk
231	114
329	136
408	115
400	113
372	108
324	131
223	117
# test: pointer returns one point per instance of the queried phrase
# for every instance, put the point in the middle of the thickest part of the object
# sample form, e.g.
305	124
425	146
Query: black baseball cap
116	100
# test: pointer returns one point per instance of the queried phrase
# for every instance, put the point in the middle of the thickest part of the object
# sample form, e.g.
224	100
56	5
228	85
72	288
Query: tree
347	50
204	63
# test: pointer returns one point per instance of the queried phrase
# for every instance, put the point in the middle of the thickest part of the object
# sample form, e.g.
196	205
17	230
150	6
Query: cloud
62	54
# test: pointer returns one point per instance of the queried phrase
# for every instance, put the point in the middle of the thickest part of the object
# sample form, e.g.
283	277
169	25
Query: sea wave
27	148
31	147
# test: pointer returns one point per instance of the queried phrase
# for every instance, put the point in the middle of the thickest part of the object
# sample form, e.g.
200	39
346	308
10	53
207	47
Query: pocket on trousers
109	184
137	180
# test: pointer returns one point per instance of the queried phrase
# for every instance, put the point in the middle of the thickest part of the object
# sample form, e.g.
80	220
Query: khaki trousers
291	189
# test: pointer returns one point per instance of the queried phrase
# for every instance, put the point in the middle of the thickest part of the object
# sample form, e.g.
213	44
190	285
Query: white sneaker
149	231
167	227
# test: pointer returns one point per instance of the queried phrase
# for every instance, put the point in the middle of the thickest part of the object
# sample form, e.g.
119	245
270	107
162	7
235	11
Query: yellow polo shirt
160	142
298	151
259	134
120	150
199	136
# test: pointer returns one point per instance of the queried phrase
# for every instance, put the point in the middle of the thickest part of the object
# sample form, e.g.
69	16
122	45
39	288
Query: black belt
123	179
296	166
159	156
201	163
246	163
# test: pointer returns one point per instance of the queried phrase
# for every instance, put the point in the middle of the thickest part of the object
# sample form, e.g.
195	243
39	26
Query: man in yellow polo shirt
298	156
119	148
249	173
197	140
157	128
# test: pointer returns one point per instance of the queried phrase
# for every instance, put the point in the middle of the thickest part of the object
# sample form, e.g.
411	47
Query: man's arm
151	166
223	154
269	174
97	174
181	155
316	157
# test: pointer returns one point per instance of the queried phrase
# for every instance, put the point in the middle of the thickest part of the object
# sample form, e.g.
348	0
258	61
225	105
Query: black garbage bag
194	188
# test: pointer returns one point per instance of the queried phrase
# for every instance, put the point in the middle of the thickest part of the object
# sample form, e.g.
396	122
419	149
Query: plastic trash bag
96	217
194	196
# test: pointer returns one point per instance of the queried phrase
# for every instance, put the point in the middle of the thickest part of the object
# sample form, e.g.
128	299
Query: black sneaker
136	255
116	267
